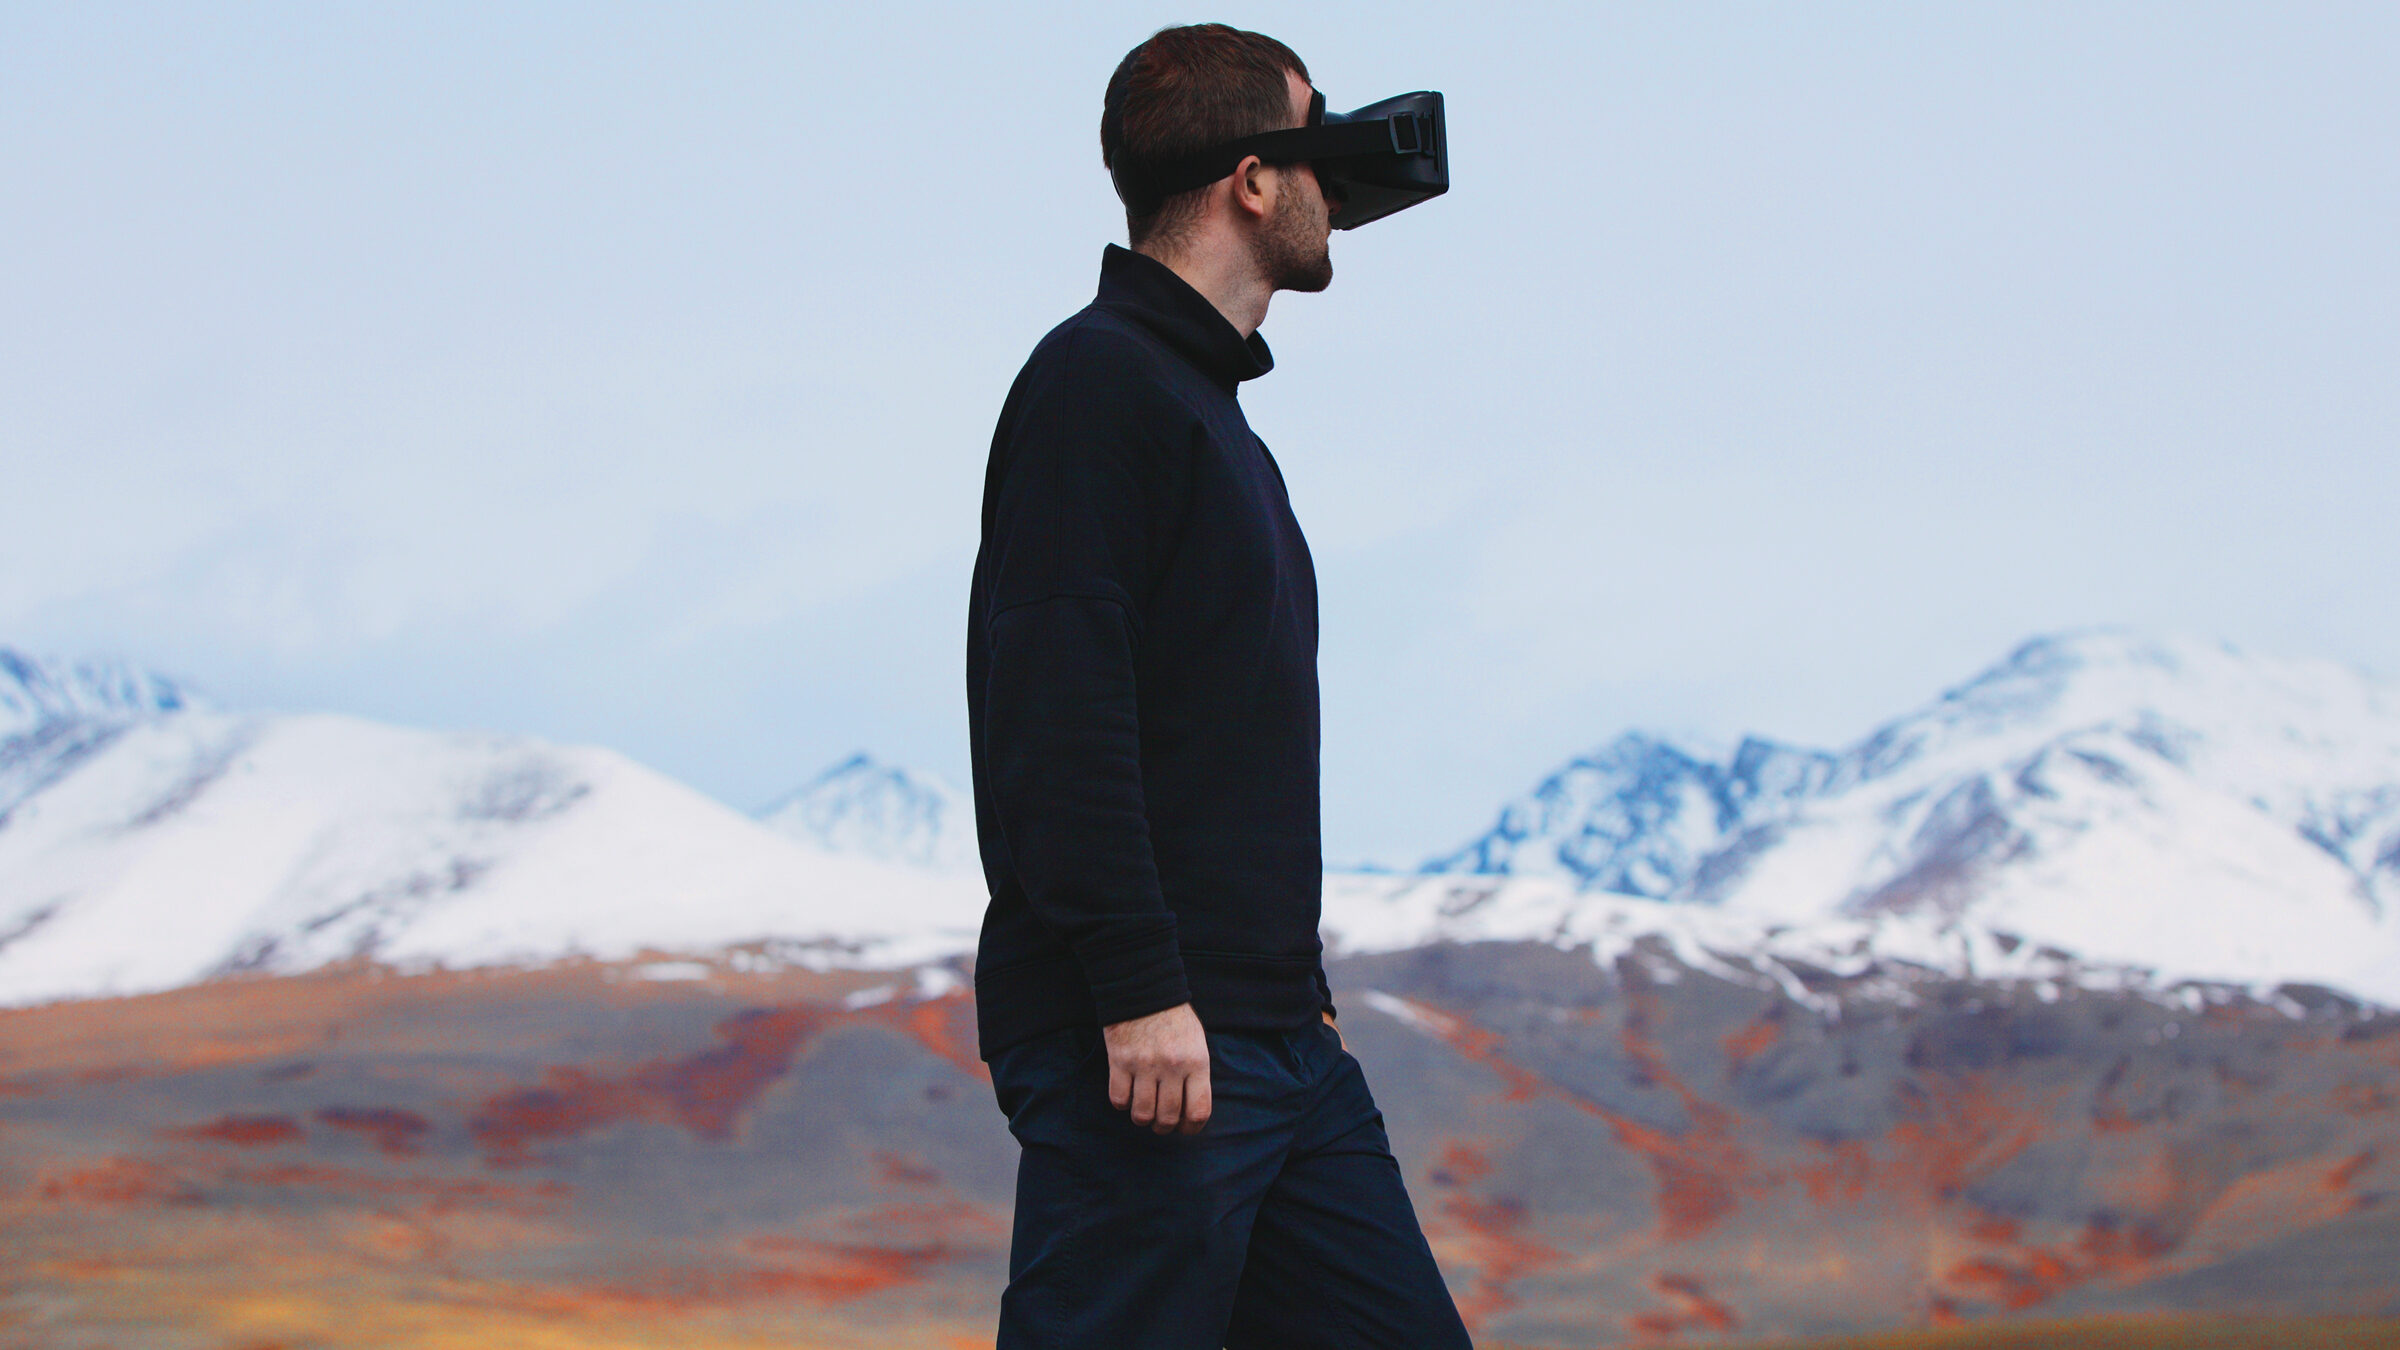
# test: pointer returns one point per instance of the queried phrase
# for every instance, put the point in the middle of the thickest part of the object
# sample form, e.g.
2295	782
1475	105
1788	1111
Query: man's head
1193	87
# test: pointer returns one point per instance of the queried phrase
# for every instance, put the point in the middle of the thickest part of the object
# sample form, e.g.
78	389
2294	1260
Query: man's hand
1158	1069
1337	1030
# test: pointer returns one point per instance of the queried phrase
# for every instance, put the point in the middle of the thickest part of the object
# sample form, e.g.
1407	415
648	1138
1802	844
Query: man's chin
1309	279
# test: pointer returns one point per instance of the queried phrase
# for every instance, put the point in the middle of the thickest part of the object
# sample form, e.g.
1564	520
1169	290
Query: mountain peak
1637	815
36	692
864	806
2210	697
2107	792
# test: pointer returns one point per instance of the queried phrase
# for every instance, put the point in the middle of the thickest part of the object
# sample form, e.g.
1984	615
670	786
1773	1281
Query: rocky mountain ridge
35	693
2120	798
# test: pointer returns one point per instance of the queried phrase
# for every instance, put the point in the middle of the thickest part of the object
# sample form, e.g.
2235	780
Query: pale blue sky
624	374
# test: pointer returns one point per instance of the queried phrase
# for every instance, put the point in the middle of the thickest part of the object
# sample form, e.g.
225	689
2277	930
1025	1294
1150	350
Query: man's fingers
1199	1102
1170	1104
1158	1069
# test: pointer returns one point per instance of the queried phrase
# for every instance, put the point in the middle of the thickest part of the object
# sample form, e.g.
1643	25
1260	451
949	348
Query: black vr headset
1385	157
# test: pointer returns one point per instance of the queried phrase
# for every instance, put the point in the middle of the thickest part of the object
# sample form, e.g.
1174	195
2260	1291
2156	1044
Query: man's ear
1249	191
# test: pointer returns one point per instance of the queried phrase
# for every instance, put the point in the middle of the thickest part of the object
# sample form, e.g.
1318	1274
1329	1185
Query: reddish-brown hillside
578	1156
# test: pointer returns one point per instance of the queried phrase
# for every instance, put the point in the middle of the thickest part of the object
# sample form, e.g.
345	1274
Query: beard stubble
1293	249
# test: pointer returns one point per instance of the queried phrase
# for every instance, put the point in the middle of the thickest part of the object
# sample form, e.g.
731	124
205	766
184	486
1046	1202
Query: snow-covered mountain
2119	799
1640	815
175	844
876	810
2097	808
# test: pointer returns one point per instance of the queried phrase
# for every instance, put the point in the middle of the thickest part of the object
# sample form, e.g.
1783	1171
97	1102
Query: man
1201	1163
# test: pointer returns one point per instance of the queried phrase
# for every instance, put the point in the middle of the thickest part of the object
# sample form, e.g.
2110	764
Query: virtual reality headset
1384	157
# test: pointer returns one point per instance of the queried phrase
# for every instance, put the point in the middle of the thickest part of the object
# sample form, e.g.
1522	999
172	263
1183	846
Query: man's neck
1228	278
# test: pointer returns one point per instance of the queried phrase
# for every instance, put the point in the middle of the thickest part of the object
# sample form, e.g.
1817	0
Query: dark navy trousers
1283	1224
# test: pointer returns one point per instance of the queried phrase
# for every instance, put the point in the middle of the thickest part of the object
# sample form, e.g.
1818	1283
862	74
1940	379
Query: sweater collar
1147	290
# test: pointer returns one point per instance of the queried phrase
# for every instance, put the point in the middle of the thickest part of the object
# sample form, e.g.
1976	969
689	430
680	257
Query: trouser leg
1337	1260
1126	1239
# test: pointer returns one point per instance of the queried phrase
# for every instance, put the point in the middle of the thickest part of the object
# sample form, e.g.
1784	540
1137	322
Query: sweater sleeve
1089	482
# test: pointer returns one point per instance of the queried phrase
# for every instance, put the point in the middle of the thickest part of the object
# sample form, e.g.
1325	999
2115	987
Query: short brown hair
1187	89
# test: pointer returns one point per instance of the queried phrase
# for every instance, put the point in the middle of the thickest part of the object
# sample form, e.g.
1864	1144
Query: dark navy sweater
1142	683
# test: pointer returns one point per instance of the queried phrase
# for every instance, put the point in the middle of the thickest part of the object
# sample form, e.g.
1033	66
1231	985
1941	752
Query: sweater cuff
1135	978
